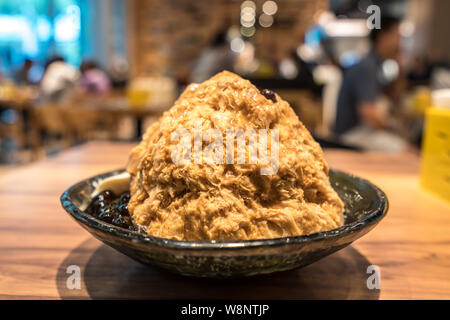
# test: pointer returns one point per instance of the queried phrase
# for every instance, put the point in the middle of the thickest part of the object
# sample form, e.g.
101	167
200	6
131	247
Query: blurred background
72	71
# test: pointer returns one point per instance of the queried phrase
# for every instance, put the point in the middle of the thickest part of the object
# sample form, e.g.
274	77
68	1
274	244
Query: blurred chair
50	126
12	136
102	117
79	121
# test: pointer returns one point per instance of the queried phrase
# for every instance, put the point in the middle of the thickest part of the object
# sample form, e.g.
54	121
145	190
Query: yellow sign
435	166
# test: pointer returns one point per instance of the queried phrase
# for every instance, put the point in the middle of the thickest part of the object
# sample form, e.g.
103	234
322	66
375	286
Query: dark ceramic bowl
365	206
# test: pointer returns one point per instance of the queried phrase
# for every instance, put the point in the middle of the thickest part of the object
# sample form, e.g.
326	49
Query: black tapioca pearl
107	215
121	221
123	209
95	207
269	94
124	197
112	209
100	201
107	195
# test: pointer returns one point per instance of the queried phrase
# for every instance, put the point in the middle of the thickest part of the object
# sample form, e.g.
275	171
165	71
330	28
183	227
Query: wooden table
39	241
116	107
121	107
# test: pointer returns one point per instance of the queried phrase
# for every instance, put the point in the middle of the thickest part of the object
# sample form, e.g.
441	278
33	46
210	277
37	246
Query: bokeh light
270	7
407	29
247	22
265	20
248	4
237	45
248	32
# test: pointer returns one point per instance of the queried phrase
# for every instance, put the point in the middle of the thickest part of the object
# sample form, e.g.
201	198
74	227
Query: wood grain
38	241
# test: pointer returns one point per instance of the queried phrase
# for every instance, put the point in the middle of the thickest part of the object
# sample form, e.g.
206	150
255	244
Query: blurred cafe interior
82	80
73	71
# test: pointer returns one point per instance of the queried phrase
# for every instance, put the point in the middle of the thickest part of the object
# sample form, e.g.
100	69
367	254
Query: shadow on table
108	274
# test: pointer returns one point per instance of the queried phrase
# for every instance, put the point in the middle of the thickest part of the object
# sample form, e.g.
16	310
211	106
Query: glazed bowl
365	206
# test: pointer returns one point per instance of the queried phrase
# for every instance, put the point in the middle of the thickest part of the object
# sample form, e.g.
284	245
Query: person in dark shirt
359	92
363	84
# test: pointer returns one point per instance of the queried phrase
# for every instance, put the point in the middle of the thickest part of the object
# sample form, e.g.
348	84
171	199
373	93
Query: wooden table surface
39	241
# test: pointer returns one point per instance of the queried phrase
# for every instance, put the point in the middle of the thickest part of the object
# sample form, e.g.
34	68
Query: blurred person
361	117
118	72
59	77
93	79
23	75
30	73
215	58
420	71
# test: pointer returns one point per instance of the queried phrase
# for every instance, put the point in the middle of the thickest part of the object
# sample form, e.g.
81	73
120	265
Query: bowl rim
374	217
